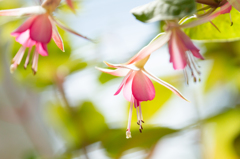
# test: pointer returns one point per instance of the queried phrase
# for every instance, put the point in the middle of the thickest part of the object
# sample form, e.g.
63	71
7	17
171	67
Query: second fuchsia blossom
183	52
137	87
36	31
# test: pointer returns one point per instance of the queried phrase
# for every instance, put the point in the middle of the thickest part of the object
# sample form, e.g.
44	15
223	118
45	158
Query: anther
140	130
13	68
142	121
128	135
194	79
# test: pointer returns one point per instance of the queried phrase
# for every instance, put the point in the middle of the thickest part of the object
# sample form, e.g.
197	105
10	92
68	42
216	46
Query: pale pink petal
142	87
30	43
116	72
23	37
68	29
56	37
122	83
28	11
177	52
70	4
173	89
11	12
228	10
42	49
25	26
189	44
127	89
235	4
131	67
225	8
155	44
41	29
197	54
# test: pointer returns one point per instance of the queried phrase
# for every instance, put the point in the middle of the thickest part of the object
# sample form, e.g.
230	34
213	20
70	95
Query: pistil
128	132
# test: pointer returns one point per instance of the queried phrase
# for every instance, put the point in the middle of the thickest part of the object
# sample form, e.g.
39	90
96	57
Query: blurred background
68	110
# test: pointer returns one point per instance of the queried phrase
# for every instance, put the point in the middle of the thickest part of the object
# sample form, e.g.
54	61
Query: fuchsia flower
136	86
36	31
181	49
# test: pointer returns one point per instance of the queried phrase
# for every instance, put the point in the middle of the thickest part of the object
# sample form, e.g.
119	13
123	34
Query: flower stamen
128	132
35	62
17	59
194	68
27	58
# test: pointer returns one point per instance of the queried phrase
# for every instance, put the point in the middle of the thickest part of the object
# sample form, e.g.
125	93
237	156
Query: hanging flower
137	87
36	31
181	49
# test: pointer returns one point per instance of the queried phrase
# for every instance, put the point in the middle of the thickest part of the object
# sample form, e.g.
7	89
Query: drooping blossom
137	87
36	31
181	49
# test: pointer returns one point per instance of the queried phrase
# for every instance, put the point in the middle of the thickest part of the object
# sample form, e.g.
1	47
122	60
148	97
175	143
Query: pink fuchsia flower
137	87
181	49
36	31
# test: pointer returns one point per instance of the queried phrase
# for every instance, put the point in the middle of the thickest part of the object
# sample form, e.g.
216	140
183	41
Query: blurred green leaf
78	125
226	64
61	120
208	32
115	141
222	130
10	4
164	10
104	77
31	155
236	145
93	122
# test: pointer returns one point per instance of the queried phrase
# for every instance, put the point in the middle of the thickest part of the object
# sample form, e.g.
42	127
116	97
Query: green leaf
164	10
208	32
104	77
225	68
78	126
115	141
92	121
236	145
222	130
